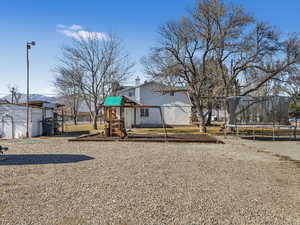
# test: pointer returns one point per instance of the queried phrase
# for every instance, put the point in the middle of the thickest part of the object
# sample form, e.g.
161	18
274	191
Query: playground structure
114	110
260	114
114	115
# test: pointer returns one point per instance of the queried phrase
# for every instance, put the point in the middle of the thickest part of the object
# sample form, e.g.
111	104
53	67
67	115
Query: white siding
176	109
129	117
13	121
177	114
36	122
17	125
7	127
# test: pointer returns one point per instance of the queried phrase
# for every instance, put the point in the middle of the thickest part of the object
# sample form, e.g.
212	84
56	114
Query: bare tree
292	89
68	91
98	62
220	50
14	94
292	83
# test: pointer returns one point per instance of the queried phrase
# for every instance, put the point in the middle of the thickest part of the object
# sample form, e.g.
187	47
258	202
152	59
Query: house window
172	93
131	94
144	112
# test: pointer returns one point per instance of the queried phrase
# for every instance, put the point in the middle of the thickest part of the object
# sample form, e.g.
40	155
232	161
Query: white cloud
60	26
87	34
69	33
75	27
78	32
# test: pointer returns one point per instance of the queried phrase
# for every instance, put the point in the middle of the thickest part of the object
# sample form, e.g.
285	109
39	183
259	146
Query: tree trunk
200	116
208	121
75	119
209	114
95	117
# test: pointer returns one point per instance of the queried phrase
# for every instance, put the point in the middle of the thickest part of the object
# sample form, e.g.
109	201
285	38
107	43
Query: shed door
7	127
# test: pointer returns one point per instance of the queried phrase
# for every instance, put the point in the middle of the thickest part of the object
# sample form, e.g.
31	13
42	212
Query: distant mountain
33	97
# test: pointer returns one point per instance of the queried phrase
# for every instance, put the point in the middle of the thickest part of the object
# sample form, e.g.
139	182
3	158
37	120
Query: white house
13	119
175	105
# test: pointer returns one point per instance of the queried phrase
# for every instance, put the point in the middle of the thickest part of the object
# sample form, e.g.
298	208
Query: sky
52	24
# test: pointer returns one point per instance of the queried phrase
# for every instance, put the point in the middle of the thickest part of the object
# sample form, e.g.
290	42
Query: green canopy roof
114	101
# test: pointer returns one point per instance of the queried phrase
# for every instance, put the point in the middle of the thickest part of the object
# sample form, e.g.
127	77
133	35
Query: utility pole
12	95
28	46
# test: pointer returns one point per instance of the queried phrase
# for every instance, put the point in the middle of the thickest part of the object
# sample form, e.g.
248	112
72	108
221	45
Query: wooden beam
163	123
142	106
133	106
63	120
109	123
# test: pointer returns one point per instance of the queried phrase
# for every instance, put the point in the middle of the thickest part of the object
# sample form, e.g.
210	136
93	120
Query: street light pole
28	46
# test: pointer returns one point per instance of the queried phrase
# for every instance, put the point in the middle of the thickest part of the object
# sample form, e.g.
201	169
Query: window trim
144	112
131	94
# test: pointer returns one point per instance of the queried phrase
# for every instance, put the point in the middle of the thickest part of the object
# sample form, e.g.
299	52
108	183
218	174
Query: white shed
13	121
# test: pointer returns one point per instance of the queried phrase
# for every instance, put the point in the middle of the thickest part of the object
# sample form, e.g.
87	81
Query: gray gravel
146	183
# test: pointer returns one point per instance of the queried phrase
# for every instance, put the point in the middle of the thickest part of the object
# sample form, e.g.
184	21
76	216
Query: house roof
164	88
20	105
111	101
37	103
40	103
4	101
133	87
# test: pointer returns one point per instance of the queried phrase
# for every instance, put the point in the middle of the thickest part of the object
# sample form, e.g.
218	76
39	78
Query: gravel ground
59	182
290	149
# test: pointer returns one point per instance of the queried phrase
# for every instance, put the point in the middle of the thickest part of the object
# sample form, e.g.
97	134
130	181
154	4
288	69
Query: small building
13	119
175	104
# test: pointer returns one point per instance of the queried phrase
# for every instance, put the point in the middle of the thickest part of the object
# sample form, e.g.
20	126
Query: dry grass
147	183
175	130
216	130
82	127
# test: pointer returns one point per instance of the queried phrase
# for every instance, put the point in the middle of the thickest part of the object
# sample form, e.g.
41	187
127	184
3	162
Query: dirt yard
90	183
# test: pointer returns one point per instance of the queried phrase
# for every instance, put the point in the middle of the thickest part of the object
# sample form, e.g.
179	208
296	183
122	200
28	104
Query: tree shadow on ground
9	159
271	138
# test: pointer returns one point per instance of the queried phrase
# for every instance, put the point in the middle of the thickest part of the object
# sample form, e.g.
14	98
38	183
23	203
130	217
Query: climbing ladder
114	126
